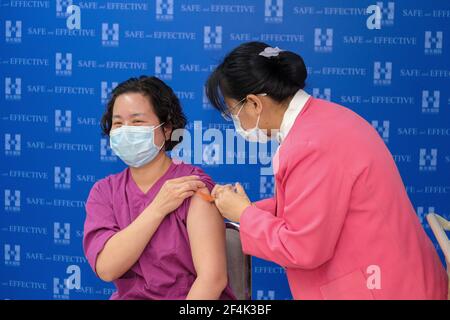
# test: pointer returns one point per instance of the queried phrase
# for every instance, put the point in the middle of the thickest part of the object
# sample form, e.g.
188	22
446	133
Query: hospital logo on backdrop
61	8
13	88
262	295
273	11
324	95
387	13
430	101
434	42
63	121
110	35
12	144
12	255
422	214
62	178
61	233
212	37
13	31
12	200
382	129
60	289
266	186
106	153
164	67
382	73
323	40
63	64
106	89
164	10
428	159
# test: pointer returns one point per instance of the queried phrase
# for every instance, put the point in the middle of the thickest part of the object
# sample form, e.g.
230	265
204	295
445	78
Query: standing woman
340	222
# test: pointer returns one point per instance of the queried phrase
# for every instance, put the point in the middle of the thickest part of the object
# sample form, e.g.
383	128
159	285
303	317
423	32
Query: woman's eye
137	121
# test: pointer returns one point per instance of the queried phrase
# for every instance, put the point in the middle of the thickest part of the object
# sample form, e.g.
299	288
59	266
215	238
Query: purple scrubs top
165	269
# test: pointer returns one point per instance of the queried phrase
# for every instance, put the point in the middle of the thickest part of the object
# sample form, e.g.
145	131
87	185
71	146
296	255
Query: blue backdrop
56	78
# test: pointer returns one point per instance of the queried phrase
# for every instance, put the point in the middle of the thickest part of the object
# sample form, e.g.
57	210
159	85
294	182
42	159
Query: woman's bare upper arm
206	230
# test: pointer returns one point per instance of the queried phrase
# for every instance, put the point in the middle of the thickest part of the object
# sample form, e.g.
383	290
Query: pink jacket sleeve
100	224
303	234
268	204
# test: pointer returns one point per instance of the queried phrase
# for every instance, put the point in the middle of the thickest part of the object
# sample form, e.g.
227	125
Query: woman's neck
277	115
149	173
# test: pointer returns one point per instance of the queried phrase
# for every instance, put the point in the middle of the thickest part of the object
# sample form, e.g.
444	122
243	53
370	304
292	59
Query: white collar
295	107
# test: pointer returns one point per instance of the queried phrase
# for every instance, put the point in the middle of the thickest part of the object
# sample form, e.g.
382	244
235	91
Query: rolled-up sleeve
316	193
100	224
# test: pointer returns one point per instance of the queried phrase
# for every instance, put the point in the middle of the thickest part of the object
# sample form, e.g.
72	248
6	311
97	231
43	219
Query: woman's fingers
185	179
219	189
190	186
239	189
214	190
178	184
187	194
226	188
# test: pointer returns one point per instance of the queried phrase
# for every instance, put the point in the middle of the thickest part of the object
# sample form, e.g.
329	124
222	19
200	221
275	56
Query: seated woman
146	229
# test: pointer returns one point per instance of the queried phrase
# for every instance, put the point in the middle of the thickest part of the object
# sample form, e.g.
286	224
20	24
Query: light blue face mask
255	134
135	145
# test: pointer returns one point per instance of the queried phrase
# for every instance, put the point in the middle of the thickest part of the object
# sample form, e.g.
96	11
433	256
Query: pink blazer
341	222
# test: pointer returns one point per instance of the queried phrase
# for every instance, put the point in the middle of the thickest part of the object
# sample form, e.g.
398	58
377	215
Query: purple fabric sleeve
100	224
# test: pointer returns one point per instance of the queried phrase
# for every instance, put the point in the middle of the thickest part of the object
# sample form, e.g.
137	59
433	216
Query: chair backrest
238	263
439	226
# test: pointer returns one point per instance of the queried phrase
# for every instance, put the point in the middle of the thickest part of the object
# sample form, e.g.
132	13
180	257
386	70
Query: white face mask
252	135
135	145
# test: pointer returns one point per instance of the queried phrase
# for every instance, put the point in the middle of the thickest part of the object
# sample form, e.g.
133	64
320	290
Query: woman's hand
173	192
231	201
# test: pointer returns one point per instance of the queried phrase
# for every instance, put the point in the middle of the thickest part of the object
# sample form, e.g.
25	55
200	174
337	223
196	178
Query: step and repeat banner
59	60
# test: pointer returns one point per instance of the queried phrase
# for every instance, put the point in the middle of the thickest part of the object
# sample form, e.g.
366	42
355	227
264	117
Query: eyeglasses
227	115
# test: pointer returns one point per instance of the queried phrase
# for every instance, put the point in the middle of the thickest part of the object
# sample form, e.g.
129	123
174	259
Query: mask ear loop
259	116
243	104
164	134
257	121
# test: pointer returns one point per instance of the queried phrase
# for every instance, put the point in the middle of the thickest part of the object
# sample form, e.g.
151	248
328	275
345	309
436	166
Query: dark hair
164	101
244	72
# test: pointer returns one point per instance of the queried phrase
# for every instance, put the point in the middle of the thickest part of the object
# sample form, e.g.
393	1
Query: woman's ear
167	131
254	102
